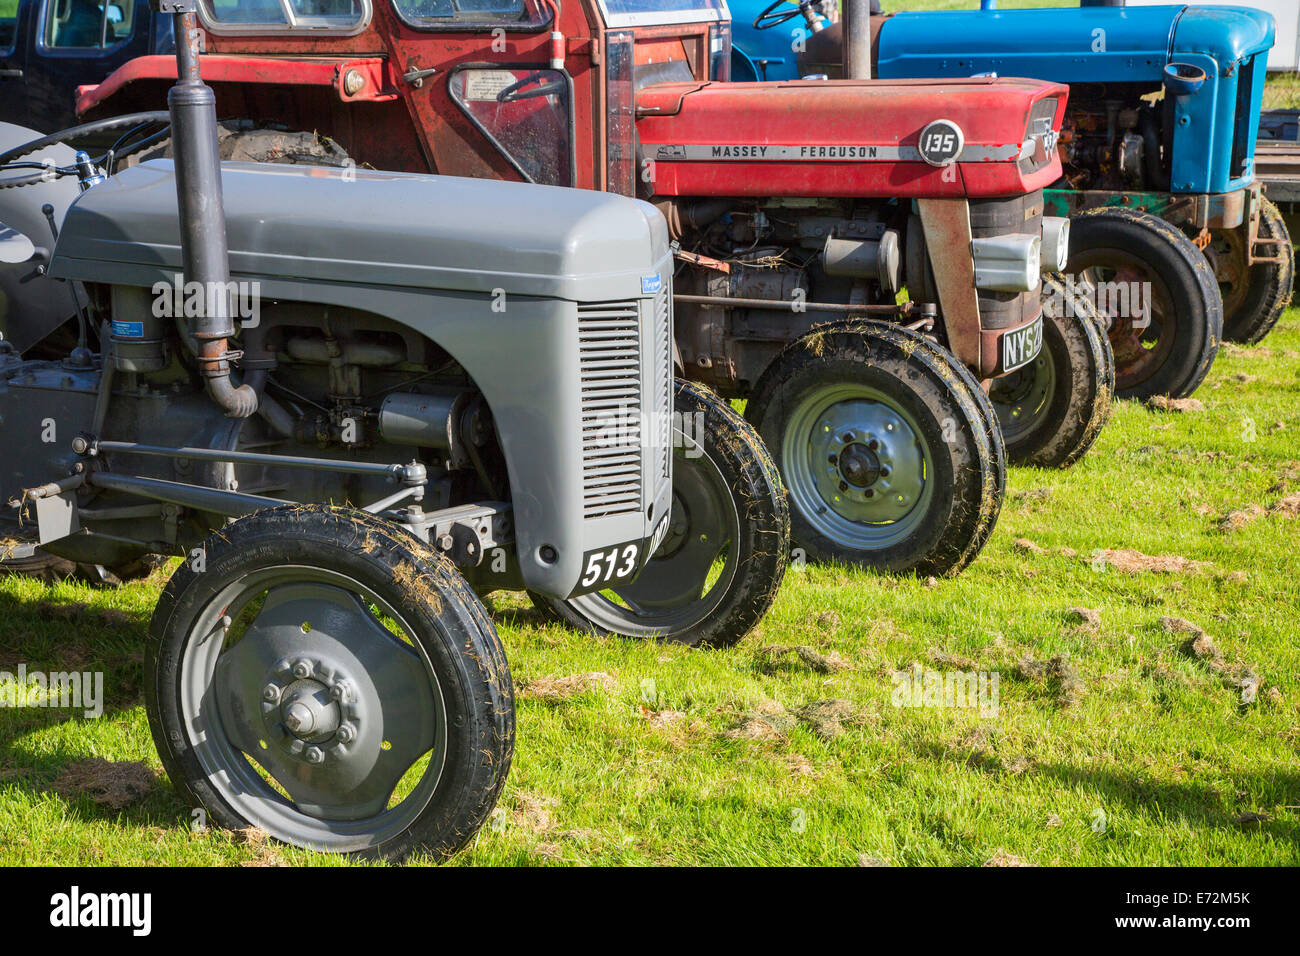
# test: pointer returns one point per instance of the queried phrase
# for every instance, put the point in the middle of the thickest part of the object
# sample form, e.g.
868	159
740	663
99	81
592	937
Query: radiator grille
663	383
609	350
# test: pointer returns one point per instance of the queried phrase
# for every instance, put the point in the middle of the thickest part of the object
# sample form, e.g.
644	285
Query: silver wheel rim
316	639
857	469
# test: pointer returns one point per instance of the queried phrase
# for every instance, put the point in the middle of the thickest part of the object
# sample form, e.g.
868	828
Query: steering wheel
774	17
512	94
132	122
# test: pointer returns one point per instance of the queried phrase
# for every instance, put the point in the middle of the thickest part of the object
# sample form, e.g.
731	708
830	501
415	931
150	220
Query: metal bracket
946	223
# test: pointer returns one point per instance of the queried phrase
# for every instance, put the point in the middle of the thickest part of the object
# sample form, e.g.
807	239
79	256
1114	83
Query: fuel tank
849	138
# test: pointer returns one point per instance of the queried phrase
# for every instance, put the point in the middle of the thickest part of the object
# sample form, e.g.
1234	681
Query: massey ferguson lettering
795	152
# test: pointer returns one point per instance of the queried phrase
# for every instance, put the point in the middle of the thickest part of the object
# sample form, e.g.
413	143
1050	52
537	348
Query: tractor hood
1115	44
390	229
848	138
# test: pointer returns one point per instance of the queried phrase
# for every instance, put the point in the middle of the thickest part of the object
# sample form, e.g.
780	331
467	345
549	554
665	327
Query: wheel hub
309	708
859	465
308	713
872	467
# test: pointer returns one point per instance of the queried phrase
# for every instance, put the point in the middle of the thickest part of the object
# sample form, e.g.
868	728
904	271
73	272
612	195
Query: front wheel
322	675
1157	295
884	449
1053	409
720	566
1254	296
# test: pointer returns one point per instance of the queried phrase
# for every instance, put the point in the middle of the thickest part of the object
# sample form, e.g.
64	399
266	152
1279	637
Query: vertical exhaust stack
856	20
204	256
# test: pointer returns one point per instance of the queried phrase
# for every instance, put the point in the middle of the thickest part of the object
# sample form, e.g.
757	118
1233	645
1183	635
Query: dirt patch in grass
828	718
1133	562
1166	404
105	782
1057	675
776	657
768	721
553	690
1003	858
1025	546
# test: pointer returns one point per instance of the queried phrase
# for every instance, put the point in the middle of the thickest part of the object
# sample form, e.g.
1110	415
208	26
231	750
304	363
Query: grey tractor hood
395	229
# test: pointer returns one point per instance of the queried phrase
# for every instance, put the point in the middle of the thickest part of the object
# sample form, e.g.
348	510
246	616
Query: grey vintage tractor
354	402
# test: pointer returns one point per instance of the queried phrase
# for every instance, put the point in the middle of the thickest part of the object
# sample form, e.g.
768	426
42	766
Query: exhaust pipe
856	26
204	255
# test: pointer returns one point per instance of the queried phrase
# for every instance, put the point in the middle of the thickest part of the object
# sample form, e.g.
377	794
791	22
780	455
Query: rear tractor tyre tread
1197	304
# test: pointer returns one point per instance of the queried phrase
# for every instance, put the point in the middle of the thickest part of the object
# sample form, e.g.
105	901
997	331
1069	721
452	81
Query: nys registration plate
1022	346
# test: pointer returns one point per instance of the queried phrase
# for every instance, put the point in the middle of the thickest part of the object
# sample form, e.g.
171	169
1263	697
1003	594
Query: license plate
1022	346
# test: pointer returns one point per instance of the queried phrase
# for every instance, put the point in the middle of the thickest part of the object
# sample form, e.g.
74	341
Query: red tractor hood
848	138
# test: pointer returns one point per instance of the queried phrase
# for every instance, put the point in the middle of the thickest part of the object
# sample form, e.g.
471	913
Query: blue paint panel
1091	45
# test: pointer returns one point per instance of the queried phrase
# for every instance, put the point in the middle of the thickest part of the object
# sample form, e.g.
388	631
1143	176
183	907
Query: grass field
1113	744
1115	741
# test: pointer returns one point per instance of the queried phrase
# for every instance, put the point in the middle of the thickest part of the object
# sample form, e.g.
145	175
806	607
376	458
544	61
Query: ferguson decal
814	152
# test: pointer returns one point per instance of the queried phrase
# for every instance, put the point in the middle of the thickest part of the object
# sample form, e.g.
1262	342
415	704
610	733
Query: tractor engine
788	265
1114	139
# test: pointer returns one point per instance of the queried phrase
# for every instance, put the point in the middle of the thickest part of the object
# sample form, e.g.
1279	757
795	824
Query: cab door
14	30
76	42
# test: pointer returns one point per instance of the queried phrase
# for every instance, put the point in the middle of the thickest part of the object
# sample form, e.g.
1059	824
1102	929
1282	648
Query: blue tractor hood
1107	44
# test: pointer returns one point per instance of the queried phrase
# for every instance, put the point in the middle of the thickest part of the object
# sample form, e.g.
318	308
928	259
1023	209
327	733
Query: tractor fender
31	305
367	77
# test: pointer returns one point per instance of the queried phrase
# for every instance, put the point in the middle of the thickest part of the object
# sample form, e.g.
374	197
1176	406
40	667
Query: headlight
1056	243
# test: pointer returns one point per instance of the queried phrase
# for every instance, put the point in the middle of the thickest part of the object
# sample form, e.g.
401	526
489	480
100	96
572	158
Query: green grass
646	769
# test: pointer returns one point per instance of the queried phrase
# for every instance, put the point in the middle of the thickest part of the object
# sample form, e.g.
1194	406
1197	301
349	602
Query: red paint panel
991	113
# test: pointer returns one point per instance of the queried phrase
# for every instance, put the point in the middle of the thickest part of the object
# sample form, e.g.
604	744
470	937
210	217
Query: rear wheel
1253	296
719	569
327	678
883	447
1157	294
1053	409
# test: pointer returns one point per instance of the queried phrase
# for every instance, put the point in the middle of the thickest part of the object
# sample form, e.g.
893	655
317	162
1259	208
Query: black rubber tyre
1254	297
719	569
997	446
884	449
1053	409
1167	346
358	584
246	142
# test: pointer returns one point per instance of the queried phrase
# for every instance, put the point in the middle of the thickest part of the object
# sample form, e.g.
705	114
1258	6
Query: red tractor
860	260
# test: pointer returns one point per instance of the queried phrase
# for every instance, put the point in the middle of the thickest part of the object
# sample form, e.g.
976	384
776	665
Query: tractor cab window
434	13
526	114
87	24
633	13
248	16
8	29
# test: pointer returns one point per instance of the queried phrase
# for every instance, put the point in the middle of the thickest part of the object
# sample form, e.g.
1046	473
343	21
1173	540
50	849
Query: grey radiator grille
609	358
663	382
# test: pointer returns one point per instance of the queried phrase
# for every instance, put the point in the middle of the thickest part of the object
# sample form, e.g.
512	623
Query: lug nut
302	669
314	755
271	693
346	734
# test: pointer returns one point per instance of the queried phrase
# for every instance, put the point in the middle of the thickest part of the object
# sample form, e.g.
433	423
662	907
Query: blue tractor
1169	224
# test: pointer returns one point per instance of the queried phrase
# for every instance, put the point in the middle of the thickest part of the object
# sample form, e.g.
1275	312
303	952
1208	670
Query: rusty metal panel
947	237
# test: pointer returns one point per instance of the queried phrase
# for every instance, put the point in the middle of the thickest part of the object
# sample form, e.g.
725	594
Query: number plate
1022	346
619	563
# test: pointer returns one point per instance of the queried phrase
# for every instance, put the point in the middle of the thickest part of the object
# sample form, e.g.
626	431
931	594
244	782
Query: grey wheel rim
330	703
670	595
857	467
1023	399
